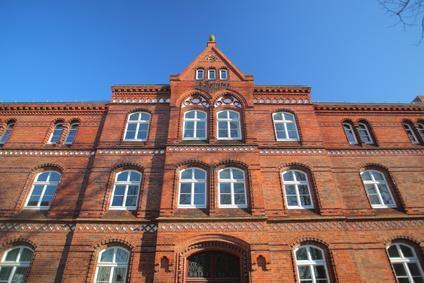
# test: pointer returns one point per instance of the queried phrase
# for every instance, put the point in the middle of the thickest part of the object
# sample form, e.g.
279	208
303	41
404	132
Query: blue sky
346	50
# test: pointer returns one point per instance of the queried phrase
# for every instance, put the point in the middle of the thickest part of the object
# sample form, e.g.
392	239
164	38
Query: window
229	125
137	126
232	188
15	264
192	188
43	190
56	134
410	132
364	134
296	189
112	265
311	265
7	132
378	190
200	74
211	74
223	74
70	138
405	263
285	126
420	127
126	189
195	125
350	133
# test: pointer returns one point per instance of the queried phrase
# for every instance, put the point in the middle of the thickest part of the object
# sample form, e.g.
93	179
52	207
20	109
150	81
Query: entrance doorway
213	267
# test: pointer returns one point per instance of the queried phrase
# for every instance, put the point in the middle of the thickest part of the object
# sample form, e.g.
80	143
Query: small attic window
211	74
223	74
200	74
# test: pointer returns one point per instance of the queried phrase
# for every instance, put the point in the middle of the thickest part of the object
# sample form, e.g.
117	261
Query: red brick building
211	178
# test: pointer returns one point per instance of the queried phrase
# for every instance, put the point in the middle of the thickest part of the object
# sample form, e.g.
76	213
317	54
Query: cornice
211	148
126	99
297	151
280	100
141	88
369	108
264	89
43	152
132	152
82	108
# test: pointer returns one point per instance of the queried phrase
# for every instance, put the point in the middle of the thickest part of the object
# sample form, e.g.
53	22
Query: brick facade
159	234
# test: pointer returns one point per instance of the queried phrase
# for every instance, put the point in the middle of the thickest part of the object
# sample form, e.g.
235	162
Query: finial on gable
211	40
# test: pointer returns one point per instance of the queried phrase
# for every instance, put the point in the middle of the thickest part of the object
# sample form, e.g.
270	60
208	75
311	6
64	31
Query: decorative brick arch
221	243
238	96
191	93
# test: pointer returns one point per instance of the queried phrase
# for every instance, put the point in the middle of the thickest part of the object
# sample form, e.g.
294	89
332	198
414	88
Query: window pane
134	116
199	188
190	114
278	116
303	190
374	199
132	190
118	201
186	174
225	199
199	174
371	190
224	174
222	115
407	251
279	127
300	176
233	115
185	188
135	177
5	272
315	253
301	254
320	272
188	133
290	189
378	176
399	269
199	199
366	176
239	199
414	269
26	255
305	272
292	201
119	190
33	200
393	252
54	177
185	199
130	135
288	116
239	188
103	274
201	115
119	274
43	177
50	190
189	125
131	201
19	276
46	200
123	176
385	195
37	190
237	174
107	255
305	200
288	176
145	117
225	188
12	255
121	256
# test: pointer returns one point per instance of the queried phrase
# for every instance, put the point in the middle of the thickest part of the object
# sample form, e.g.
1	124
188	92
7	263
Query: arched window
15	264
126	190
7	132
377	188
228	125
296	189
195	125
350	133
232	188
405	263
211	74
56	135
200	74
73	129
112	265
311	265
43	190
192	188
410	133
137	128
420	128
364	134
285	126
223	74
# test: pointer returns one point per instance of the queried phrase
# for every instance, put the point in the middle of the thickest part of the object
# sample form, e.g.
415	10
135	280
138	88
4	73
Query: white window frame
7	133
16	264
72	129
420	128
198	71
195	120
232	181
192	181
285	122
54	130
210	71
347	127
112	264
126	183
296	183
367	132
138	122
375	183
404	261
44	184
311	263
221	71
227	120
410	133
